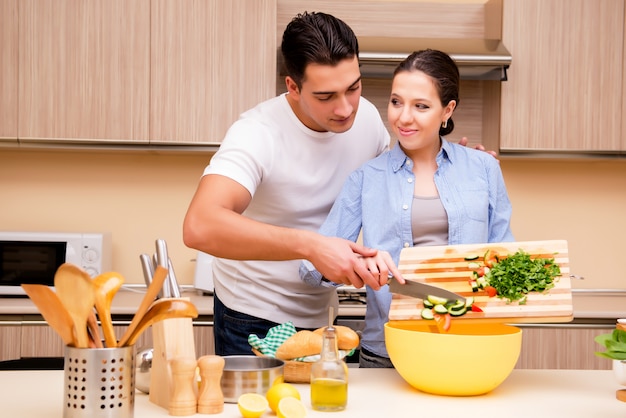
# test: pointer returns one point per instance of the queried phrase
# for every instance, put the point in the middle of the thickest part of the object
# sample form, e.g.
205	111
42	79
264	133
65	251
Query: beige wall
142	196
138	197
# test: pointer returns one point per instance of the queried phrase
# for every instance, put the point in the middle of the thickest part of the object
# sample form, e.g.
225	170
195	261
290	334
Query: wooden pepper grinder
183	399
210	398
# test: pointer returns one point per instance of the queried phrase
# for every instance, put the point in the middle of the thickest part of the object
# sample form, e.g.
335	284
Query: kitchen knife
421	290
147	267
174	289
162	260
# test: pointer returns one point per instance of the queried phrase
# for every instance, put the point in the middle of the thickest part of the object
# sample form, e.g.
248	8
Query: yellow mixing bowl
470	359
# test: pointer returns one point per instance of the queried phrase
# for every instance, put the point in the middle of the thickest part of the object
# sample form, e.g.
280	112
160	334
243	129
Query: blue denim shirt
376	199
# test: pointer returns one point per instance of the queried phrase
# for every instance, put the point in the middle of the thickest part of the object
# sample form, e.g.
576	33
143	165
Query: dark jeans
231	329
367	359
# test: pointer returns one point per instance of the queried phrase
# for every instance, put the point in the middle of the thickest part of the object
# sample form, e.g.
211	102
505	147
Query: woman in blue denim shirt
424	191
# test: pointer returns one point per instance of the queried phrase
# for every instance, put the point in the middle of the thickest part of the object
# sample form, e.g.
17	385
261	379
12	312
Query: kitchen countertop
126	301
376	393
589	305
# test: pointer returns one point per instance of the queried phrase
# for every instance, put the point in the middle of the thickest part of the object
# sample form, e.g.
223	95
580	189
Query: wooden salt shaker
210	398
183	399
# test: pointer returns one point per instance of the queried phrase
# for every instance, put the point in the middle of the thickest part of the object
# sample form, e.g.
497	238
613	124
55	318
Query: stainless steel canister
99	382
243	374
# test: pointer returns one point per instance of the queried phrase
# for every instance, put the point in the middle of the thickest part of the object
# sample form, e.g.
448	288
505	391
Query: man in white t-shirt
272	183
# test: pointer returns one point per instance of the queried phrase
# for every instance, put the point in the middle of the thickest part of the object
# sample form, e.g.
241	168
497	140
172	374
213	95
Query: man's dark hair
316	38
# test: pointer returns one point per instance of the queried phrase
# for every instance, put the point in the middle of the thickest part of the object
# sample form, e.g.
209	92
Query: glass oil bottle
329	376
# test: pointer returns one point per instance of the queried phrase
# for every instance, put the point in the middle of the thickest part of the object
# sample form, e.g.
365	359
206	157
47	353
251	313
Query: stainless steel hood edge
478	59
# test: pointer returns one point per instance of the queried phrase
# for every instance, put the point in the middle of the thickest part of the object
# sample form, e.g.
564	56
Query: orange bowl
470	359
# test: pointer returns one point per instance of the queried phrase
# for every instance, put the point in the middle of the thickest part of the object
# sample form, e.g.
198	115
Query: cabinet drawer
10	342
39	340
562	347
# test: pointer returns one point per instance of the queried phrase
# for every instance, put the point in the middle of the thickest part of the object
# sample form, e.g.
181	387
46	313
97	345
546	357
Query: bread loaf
347	339
300	344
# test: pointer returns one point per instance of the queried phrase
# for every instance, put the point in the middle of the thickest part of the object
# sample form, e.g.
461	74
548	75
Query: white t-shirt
294	175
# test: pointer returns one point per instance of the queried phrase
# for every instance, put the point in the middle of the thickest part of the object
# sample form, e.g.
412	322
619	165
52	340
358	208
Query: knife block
172	338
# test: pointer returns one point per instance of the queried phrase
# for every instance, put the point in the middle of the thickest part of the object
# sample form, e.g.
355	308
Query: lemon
280	391
252	405
290	407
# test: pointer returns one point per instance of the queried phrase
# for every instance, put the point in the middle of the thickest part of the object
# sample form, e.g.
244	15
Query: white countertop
125	302
376	393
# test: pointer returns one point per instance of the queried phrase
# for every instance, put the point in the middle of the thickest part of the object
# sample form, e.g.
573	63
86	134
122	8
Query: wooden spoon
94	334
161	309
76	291
52	310
153	290
106	286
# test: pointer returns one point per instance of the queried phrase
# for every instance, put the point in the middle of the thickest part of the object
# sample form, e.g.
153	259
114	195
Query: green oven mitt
275	337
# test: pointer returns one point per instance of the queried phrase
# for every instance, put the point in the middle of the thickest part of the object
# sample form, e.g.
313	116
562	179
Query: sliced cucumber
469	301
482	282
471	257
427	313
473	266
458	311
435	300
456	305
428	304
440	309
474	286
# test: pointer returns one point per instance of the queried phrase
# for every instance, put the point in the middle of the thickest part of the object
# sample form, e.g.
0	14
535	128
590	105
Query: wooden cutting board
447	267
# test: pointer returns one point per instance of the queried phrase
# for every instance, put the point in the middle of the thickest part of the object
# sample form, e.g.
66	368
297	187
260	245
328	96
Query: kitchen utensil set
69	308
160	258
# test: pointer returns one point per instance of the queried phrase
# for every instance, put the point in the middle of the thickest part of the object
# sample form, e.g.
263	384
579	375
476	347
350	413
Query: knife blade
162	258
147	268
422	290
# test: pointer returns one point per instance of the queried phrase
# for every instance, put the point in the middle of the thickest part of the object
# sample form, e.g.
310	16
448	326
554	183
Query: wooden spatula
106	286
151	293
76	291
161	309
52	310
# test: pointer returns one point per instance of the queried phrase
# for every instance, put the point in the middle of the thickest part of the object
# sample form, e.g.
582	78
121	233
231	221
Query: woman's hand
381	267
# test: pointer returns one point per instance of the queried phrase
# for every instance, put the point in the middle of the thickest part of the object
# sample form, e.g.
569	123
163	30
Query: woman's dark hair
316	38
444	73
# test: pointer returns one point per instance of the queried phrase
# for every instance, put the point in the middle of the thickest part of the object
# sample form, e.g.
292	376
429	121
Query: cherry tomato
476	308
491	291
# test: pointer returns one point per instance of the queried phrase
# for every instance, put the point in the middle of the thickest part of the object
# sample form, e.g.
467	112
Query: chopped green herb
516	275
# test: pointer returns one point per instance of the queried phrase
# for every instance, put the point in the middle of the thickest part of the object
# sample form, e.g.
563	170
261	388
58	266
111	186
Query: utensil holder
99	382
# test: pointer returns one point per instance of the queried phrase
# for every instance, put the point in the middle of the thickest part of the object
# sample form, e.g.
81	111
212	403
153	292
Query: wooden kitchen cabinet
562	347
405	18
8	70
565	90
210	61
84	70
10	341
35	339
39	340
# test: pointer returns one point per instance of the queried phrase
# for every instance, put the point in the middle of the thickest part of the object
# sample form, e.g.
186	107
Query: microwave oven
34	257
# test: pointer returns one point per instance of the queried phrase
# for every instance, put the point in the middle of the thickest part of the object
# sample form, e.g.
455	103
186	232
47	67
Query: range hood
477	59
